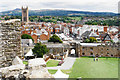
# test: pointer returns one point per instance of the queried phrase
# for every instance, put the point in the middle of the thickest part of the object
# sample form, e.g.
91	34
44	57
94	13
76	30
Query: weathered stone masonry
11	41
88	49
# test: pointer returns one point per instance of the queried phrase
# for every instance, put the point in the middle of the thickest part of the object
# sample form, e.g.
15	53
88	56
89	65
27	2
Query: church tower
25	17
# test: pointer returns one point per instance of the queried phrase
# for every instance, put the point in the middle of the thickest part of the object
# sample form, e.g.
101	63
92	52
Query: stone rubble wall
20	70
16	71
10	42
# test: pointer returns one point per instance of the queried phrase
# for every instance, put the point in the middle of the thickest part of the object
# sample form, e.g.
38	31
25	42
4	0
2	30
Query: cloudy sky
82	5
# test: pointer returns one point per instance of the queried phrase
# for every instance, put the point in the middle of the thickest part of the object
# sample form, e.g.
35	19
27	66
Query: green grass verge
52	71
94	57
52	63
25	62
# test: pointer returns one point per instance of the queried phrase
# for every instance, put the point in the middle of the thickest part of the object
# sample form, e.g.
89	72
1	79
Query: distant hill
49	12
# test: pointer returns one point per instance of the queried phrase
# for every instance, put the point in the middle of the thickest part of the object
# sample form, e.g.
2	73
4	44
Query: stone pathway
68	63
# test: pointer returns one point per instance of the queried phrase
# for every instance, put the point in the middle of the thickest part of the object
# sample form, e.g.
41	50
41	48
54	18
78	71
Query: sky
79	5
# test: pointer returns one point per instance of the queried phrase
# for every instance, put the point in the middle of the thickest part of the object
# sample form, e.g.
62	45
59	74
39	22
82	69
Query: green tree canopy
26	36
39	50
54	39
87	41
111	41
7	18
90	40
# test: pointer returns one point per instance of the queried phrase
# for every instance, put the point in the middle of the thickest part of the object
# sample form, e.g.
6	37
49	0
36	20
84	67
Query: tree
111	41
7	18
39	50
92	39
26	36
87	41
54	39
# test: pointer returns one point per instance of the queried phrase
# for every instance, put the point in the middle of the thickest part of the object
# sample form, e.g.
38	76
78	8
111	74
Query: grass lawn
25	62
52	63
87	68
52	71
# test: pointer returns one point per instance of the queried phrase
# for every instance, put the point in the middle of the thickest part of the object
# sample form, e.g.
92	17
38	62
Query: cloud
119	7
86	5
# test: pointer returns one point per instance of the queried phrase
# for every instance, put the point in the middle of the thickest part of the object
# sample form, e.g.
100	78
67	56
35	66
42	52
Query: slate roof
27	42
86	34
93	34
103	35
55	45
106	36
91	44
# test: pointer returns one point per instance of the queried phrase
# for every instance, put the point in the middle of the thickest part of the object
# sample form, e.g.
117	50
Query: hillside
49	12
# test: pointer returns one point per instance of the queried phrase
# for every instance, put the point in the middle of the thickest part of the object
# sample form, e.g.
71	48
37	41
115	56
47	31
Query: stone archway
72	52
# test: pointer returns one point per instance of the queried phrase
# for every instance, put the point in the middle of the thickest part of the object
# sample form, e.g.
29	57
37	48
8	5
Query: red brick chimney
91	29
105	29
94	30
97	32
70	29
